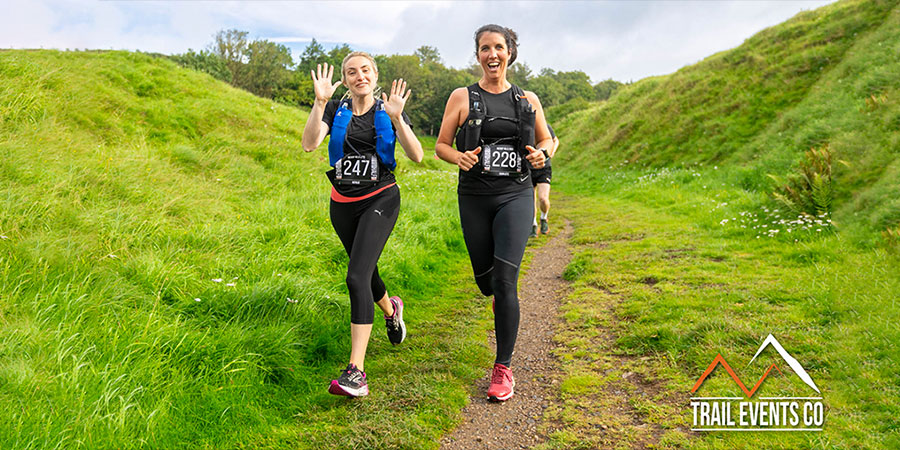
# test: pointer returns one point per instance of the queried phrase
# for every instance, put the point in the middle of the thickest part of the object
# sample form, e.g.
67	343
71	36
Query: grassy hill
827	76
680	254
169	276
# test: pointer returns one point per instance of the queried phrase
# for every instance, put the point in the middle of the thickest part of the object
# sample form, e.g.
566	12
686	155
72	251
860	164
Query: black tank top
497	127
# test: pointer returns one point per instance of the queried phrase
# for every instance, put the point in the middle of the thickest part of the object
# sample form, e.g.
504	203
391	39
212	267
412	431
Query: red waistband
336	196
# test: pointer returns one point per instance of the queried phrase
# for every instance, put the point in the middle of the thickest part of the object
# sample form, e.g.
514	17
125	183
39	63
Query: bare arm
315	130
455	114
394	107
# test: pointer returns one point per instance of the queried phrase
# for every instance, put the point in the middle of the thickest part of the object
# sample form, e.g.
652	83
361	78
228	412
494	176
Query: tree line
267	69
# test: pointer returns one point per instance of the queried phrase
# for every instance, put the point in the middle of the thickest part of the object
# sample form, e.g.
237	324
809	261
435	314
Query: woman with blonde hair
365	198
495	125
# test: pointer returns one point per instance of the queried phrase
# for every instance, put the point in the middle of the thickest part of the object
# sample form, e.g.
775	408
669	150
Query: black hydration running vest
496	119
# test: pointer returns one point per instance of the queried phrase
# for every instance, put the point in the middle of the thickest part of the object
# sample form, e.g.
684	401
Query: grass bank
169	277
674	266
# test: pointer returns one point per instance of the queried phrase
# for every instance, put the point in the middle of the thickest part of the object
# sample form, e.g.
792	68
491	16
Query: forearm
547	144
411	145
312	132
446	153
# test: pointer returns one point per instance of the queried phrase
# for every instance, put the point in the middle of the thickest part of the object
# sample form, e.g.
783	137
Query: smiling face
493	55
360	75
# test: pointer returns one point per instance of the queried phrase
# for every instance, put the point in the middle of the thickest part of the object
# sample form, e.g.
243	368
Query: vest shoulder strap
385	138
477	112
526	116
339	124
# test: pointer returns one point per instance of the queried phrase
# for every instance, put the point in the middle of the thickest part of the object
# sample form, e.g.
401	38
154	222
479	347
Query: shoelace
392	324
354	376
498	376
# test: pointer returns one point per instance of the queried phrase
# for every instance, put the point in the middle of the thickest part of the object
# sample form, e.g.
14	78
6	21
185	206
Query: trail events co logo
764	413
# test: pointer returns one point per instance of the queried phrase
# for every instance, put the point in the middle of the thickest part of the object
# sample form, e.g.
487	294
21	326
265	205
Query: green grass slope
827	76
169	277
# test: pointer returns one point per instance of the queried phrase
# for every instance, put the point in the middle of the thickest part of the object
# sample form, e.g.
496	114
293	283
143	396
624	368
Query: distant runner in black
365	199
495	125
540	179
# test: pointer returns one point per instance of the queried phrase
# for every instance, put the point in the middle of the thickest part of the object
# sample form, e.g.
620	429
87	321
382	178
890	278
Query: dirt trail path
514	423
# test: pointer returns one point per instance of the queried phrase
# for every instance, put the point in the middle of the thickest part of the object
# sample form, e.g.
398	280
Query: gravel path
514	424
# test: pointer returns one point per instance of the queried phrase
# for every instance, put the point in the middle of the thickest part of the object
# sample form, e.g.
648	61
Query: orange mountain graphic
720	360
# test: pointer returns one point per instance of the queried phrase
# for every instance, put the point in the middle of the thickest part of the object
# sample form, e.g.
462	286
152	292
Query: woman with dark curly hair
495	125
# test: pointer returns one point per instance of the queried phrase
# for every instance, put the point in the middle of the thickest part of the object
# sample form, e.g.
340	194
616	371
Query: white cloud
624	40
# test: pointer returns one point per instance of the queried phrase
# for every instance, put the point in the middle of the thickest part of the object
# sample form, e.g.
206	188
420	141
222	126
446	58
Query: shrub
810	191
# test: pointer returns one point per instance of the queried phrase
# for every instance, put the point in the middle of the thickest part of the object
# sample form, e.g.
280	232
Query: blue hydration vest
384	134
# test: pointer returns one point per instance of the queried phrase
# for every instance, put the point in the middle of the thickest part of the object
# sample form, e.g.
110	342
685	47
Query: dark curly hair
508	34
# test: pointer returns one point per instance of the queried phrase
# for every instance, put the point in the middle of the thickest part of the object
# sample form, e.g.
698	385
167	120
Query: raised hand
535	157
322	84
468	159
394	104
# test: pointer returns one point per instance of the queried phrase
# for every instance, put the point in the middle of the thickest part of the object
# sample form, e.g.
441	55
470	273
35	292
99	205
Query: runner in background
365	198
540	178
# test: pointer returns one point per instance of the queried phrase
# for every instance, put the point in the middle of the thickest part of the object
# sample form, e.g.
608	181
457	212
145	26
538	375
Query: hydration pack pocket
357	170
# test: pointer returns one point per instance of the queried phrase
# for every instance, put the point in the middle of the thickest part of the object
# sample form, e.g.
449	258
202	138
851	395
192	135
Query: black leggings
364	227
496	229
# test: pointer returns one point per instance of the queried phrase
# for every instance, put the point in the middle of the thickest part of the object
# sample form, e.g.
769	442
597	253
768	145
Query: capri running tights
364	227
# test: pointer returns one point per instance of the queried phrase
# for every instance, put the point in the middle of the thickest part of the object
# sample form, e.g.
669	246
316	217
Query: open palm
394	104
322	84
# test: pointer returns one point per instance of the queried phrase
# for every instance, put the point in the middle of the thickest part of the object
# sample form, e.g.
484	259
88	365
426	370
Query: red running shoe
502	384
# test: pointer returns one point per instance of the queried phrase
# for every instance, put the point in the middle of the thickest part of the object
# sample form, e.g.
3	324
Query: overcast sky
623	40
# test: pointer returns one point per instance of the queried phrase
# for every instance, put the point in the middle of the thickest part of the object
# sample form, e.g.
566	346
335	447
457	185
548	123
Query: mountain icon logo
769	341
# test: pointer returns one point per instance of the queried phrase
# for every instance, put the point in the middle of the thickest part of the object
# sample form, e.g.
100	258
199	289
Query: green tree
606	88
267	67
519	74
428	54
204	61
336	55
575	84
231	46
313	54
548	89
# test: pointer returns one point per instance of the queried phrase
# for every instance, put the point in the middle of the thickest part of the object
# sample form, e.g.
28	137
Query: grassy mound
169	276
825	77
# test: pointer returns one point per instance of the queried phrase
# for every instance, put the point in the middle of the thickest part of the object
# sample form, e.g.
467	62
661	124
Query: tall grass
169	277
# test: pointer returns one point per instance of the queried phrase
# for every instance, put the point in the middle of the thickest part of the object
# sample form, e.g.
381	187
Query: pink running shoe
502	384
396	328
351	383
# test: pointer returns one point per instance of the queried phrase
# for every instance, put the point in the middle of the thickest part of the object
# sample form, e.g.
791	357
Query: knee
485	284
504	281
544	198
357	283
